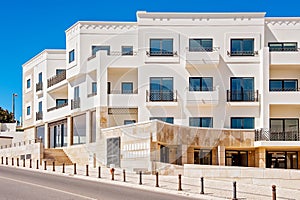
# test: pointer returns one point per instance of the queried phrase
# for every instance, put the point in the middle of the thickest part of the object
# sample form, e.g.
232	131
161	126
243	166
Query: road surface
28	185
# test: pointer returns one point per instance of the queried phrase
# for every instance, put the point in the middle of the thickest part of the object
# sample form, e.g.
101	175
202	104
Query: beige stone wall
5	141
36	151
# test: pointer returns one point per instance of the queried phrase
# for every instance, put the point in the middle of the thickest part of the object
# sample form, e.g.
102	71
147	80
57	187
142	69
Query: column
221	155
262	158
47	134
70	130
184	154
88	125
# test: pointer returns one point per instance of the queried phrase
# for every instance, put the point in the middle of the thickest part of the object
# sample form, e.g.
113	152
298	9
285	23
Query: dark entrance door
237	158
113	151
164	154
283	160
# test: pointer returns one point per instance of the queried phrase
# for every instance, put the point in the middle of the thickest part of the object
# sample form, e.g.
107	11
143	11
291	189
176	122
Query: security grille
113	151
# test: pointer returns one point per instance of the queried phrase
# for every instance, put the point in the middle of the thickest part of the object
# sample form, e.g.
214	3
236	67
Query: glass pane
291	125
248	123
248	45
155	46
194	45
60	71
167	89
94	127
236	46
236	89
206	122
194	84
127	50
275	46
94	87
79	129
40	106
167	46
236	123
206	44
276	85
40	77
76	92
98	48
248	89
194	121
126	122
290	46
155	89
127	88
207	84
290	85
276	125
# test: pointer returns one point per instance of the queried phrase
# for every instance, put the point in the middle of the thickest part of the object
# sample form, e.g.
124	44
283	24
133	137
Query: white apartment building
229	73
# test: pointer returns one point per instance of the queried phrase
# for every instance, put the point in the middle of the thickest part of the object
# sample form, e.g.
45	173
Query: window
242	122
283	46
28	83
60	71
127	88
242	89
283	85
61	102
40	77
203	156
94	87
161	47
108	87
164	119
40	106
98	48
126	122
200	45
28	110
127	50
242	47
200	84
76	92
72	56
201	122
284	125
161	89
236	158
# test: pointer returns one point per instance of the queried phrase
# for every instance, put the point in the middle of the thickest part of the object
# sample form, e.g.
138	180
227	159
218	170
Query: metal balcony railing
271	49
238	95
39	115
284	89
276	135
56	79
39	86
57	107
155	96
242	53
161	53
124	91
75	103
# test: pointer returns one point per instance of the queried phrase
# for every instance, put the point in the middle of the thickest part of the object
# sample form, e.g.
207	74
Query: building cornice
40	56
143	14
282	20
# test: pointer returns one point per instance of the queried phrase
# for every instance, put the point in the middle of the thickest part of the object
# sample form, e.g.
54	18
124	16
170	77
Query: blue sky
29	26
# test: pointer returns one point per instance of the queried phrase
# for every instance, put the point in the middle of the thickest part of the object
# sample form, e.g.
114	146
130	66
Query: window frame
28	110
72	55
163	119
100	48
242	122
162	51
201	87
242	52
28	83
201	120
129	91
130	53
94	87
200	48
282	85
282	48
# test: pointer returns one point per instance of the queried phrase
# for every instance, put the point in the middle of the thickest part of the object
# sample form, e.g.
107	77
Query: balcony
39	86
56	79
57	107
117	98
242	53
284	97
285	57
201	58
39	115
202	98
161	98
243	98
274	135
75	103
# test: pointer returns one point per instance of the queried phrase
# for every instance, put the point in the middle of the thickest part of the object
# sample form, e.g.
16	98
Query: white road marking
49	188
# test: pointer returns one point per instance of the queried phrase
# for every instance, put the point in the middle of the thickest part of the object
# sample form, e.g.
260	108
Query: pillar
70	130
184	154
261	155
88	125
47	136
221	155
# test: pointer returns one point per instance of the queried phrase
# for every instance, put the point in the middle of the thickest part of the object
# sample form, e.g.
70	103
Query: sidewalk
191	187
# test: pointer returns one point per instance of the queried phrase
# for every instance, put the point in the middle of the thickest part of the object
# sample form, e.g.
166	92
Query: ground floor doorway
282	159
236	158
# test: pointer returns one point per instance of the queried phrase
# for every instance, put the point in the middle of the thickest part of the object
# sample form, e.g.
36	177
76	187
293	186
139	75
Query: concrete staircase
56	155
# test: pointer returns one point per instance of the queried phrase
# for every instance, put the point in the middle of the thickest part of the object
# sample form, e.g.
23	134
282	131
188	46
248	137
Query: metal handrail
276	135
57	107
39	115
241	96
161	96
167	53
202	49
56	79
242	53
39	86
75	103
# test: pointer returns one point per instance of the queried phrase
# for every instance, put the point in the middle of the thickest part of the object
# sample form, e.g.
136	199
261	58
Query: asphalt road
22	184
